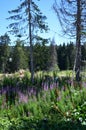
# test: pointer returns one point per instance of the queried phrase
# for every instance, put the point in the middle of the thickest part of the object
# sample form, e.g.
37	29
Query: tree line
47	55
29	22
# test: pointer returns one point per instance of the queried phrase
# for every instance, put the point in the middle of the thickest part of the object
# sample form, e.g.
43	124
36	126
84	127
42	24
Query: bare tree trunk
78	41
30	40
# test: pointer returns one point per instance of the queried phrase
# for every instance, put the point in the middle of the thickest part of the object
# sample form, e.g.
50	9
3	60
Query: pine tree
41	55
31	19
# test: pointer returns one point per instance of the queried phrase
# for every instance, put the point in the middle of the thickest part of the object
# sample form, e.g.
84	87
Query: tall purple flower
51	86
45	87
23	97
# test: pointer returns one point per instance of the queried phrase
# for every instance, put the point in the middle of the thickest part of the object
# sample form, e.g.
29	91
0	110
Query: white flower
77	113
84	123
80	119
74	110
67	113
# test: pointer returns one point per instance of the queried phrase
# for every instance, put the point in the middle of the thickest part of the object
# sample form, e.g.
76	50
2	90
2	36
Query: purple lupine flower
45	87
3	91
23	97
55	85
42	84
52	86
31	90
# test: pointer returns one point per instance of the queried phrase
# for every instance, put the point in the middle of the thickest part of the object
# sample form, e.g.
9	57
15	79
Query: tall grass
50	101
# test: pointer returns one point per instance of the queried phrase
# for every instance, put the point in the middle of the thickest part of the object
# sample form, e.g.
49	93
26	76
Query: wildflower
80	119
45	87
84	123
51	86
76	113
22	97
68	119
67	113
59	98
31	90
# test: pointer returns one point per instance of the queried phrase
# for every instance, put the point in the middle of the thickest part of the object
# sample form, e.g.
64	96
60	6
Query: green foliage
41	56
19	58
4	123
4	52
57	107
10	81
79	113
37	19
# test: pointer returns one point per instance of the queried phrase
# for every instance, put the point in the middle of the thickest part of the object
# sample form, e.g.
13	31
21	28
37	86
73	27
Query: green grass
61	108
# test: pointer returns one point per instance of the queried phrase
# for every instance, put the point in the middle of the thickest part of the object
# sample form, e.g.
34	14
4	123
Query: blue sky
46	8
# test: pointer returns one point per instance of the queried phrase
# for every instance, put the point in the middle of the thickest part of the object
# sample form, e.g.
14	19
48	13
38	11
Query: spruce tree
41	54
32	20
53	56
19	58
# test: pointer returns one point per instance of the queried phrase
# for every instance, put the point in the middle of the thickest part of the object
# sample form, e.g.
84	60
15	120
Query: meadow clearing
53	102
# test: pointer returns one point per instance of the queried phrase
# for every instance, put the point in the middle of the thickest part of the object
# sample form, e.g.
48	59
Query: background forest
48	55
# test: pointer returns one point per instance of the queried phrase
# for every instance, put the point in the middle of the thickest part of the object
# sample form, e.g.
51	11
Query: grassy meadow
53	102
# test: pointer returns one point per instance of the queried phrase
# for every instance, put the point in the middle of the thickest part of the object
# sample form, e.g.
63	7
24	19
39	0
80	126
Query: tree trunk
78	41
30	41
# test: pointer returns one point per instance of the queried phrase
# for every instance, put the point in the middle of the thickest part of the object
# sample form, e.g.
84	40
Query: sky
45	7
